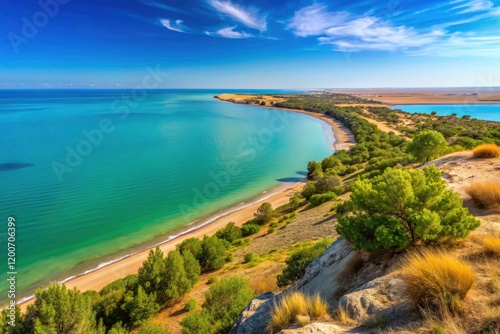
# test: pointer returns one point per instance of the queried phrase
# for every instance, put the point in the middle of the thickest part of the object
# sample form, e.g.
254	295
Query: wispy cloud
229	32
473	6
246	16
459	44
314	20
174	25
160	5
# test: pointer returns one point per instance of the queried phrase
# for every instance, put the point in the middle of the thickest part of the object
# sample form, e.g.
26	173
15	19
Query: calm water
90	173
490	112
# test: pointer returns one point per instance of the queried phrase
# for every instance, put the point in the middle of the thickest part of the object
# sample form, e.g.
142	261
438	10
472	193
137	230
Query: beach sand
239	214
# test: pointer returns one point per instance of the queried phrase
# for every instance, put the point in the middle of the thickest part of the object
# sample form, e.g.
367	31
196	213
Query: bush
491	244
297	263
198	323
437	281
249	257
427	145
318	199
486	151
225	301
294	202
403	208
264	214
192	245
151	328
249	229
191	305
271	230
229	233
485	195
309	190
212	280
295	307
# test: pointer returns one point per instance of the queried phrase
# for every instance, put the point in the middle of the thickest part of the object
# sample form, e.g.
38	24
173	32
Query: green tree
427	145
327	183
298	261
294	202
176	279
249	229
264	214
403	208
198	323
225	300
152	328
152	271
60	310
118	329
192	267
11	321
140	306
192	245
213	253
230	232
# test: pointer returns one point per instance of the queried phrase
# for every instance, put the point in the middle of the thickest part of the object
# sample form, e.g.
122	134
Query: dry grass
485	195
491	244
437	281
264	284
295	307
486	151
445	323
342	316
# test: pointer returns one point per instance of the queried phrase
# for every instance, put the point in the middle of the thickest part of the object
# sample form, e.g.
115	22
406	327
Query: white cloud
159	5
174	26
314	20
229	32
459	44
473	6
245	16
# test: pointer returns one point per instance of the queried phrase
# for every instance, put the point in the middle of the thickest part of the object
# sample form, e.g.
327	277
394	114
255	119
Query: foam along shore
101	275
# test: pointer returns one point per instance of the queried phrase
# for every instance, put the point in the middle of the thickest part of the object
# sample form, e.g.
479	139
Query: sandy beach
239	214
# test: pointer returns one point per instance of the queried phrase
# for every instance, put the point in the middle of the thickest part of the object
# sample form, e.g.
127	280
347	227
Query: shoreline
118	267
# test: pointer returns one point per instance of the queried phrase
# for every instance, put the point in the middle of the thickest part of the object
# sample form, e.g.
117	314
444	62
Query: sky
249	44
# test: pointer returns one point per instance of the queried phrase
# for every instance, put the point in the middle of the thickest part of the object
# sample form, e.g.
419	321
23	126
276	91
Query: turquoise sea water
490	112
88	173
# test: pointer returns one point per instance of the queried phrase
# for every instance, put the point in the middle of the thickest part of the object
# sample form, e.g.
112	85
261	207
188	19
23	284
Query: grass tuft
486	151
295	307
485	195
491	244
437	281
342	316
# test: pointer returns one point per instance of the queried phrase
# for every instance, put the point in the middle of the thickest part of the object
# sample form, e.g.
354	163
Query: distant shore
97	278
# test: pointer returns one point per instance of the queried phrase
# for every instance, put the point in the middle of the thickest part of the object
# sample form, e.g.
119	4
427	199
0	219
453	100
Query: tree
151	273
230	232
192	267
249	228
11	320
402	208
176	279
140	306
60	310
192	245
213	253
327	183
225	300
152	328
427	145
294	202
198	323
264	214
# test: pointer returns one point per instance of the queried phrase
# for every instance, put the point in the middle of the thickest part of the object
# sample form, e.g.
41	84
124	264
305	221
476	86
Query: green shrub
427	145
212	280
309	190
294	202
249	257
403	208
322	198
191	305
271	230
249	229
151	328
229	233
198	323
297	263
213	253
265	213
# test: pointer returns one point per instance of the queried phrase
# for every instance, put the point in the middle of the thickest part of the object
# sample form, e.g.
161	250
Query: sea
489	112
90	176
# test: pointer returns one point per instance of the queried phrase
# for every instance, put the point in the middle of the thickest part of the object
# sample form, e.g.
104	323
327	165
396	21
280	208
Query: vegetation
295	307
485	195
223	303
491	244
249	228
486	151
151	328
428	145
264	214
403	208
298	261
318	199
191	305
437	281
229	233
213	253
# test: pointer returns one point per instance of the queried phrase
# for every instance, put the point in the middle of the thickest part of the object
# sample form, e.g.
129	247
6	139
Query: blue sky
250	44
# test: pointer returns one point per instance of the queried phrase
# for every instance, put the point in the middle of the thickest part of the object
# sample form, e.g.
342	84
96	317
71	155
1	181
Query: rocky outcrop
316	328
254	318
